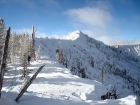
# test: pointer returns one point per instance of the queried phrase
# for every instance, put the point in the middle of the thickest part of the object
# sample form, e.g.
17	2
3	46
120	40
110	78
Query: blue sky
111	21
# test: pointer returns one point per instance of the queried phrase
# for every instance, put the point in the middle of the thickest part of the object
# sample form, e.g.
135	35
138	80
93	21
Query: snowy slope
55	85
122	69
58	85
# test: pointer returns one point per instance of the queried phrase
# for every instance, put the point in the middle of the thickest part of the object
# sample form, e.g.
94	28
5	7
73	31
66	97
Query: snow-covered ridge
58	85
78	47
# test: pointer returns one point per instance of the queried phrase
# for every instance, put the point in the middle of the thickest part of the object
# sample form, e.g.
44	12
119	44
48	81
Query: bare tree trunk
33	43
29	83
4	59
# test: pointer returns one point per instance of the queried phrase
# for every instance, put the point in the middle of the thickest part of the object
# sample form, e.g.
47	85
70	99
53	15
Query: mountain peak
75	35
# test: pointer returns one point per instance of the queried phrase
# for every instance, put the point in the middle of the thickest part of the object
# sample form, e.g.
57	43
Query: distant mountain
120	65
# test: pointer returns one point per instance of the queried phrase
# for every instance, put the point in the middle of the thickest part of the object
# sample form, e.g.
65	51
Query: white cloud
94	33
106	39
91	16
56	36
111	41
95	19
40	34
97	22
117	41
89	32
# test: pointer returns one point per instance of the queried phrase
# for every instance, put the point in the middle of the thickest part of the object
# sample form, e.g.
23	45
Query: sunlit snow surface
56	85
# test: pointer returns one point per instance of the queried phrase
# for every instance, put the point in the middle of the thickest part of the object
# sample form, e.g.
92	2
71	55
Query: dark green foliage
92	63
82	71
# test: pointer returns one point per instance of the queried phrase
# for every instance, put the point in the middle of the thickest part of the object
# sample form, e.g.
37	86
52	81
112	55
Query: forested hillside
88	58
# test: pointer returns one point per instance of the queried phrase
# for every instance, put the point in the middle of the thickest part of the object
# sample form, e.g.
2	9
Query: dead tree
4	59
33	43
28	83
2	39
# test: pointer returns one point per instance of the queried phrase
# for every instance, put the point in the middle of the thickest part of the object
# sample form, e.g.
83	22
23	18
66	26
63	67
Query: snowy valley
84	70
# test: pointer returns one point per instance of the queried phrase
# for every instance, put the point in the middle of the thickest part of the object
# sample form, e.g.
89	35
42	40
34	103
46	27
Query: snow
56	85
75	35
